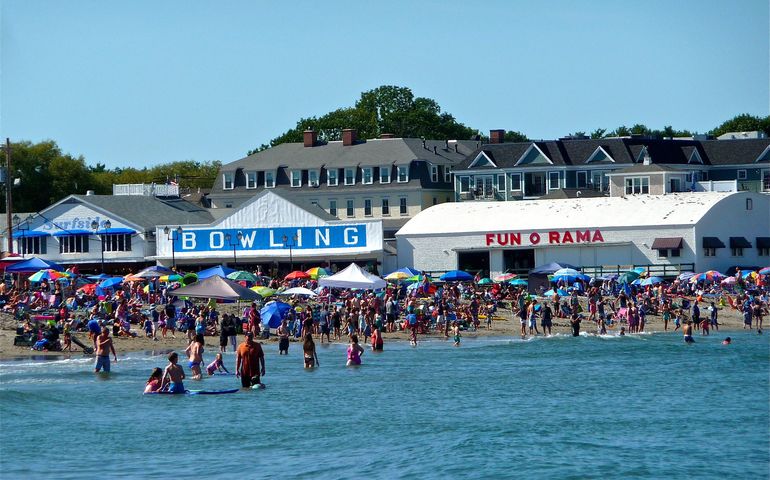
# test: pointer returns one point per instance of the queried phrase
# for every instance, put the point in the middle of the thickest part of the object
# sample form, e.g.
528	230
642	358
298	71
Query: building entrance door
519	261
473	262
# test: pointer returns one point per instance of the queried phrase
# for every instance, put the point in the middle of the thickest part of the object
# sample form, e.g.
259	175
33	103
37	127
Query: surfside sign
554	237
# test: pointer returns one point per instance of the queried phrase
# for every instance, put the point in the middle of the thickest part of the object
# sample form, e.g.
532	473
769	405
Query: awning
712	242
665	243
763	242
739	242
115	231
29	234
67	233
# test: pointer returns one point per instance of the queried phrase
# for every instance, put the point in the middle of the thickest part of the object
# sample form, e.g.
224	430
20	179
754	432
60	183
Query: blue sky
137	83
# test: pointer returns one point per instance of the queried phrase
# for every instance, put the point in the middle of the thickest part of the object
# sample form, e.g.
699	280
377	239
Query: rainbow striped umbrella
505	277
46	274
317	272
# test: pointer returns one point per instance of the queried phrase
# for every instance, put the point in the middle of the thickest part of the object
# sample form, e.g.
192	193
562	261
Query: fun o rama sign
553	237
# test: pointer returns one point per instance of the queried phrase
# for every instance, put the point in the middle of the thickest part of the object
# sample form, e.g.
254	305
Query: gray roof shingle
148	212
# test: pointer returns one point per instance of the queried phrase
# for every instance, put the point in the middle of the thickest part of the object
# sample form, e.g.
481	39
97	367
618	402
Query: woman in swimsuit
195	352
354	351
153	383
377	342
309	352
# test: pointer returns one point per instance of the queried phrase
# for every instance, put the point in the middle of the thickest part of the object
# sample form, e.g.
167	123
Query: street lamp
290	243
95	227
234	244
170	236
17	225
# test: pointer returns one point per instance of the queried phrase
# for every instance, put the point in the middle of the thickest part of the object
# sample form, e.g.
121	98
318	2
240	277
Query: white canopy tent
353	276
298	291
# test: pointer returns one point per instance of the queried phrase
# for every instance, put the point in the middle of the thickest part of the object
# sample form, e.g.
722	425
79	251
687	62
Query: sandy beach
504	325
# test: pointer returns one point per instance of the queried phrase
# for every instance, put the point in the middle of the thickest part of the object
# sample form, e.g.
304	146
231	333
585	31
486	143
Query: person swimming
727	341
217	365
154	382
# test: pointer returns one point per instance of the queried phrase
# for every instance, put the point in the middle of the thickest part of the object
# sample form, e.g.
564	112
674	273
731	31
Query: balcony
147	190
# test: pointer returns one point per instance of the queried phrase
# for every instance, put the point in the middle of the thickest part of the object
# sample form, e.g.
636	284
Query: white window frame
332	173
350	208
497	183
709	252
403	206
405	169
347	170
69	244
558	181
269	175
298	175
466	178
364	171
313	182
447	174
385	207
225	176
368	201
434	173
32	245
511	175
637	185
249	184
741	174
117	242
333	206
387	171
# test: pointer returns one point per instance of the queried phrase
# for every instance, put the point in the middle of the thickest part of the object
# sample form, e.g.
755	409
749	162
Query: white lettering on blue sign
334	236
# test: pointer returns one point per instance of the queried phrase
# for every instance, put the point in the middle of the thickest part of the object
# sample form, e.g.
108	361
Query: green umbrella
518	281
242	275
485	281
628	277
418	278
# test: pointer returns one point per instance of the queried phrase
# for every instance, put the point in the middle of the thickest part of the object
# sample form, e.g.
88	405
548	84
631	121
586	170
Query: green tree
598	133
743	123
514	136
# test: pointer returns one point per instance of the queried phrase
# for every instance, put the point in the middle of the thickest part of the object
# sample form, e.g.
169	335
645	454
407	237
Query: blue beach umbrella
111	282
518	281
456	276
651	281
272	314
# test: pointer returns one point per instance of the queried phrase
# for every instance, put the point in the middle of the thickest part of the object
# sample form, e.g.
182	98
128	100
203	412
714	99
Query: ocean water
644	406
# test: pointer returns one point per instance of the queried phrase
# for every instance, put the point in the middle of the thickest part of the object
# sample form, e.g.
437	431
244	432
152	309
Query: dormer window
269	179
251	180
367	175
296	178
350	176
312	178
385	174
403	174
227	180
447	174
434	173
332	177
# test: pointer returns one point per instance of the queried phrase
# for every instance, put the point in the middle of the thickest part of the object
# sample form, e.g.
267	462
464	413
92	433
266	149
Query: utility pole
8	203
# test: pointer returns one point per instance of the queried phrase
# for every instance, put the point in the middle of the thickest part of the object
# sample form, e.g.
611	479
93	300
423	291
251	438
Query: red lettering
534	238
515	238
583	236
490	238
597	236
553	237
502	239
567	238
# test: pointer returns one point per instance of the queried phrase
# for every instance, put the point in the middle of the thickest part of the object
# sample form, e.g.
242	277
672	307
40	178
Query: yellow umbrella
397	275
264	292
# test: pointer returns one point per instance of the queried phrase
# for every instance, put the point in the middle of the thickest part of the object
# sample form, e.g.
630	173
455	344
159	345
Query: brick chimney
310	137
348	136
387	135
496	136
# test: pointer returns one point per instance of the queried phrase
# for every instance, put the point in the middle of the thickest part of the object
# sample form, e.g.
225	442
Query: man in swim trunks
103	348
546	318
687	330
283	335
173	375
250	362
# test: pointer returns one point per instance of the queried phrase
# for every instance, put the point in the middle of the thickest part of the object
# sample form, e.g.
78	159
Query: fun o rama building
681	231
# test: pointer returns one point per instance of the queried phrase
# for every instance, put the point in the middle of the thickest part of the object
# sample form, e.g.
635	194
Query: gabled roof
534	156
482	160
764	156
145	211
600	155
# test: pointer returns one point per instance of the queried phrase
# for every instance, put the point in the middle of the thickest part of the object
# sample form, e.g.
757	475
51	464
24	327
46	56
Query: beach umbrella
651	281
264	292
189	278
764	271
686	276
33	265
419	278
397	275
298	291
456	276
729	281
98	278
242	275
709	276
628	277
566	271
154	271
131	278
571	277
317	272
485	281
46	274
559	291
296	275
111	282
518	282
89	289
170	278
273	312
217	270
747	273
608	276
505	277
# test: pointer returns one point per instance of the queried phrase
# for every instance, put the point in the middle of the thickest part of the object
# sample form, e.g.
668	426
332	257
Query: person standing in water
194	352
283	335
354	351
687	330
103	348
250	362
456	334
173	375
377	342
309	352
575	323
